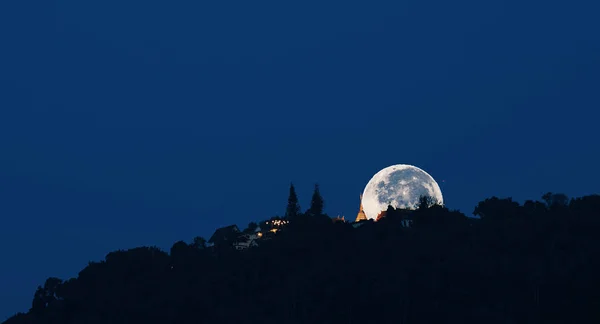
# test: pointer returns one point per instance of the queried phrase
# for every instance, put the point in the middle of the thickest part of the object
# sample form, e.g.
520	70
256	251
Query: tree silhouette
293	206
426	201
199	243
555	200
535	263
316	203
252	226
179	248
46	295
495	208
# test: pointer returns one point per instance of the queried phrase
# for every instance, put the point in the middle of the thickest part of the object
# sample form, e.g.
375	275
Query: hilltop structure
339	219
231	236
361	213
405	215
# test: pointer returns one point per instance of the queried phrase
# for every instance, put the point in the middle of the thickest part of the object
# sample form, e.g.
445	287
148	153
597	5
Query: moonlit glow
401	186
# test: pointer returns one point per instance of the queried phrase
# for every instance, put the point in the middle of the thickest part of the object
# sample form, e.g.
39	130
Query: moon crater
401	186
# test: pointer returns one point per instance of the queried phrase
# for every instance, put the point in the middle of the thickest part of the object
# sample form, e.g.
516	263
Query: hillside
531	263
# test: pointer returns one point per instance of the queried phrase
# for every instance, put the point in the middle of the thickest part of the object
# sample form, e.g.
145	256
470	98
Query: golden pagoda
361	213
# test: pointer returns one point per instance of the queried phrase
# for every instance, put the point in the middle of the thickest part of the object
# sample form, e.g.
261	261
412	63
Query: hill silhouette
531	263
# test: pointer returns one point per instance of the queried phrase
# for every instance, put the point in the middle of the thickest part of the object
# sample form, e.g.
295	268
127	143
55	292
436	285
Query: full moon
401	186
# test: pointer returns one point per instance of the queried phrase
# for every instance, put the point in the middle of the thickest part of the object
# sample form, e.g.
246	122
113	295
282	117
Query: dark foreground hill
532	263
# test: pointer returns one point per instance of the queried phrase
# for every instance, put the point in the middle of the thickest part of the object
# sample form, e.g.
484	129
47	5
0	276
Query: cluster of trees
531	263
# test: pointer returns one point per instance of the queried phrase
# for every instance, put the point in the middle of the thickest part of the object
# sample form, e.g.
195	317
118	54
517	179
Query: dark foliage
293	207
535	263
316	203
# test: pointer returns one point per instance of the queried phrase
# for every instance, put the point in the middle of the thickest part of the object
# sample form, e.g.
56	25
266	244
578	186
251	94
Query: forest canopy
535	262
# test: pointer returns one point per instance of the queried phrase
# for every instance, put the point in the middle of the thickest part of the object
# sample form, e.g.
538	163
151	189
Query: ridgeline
532	263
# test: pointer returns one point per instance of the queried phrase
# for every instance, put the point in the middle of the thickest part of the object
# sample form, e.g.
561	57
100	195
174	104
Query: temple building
361	213
404	214
339	219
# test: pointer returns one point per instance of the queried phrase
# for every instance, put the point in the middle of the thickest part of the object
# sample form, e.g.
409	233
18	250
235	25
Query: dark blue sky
143	122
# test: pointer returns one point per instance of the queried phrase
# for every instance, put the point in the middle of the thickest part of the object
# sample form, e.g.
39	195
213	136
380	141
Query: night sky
143	122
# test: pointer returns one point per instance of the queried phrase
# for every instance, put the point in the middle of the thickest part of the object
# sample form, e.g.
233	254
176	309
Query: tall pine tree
316	203
293	207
